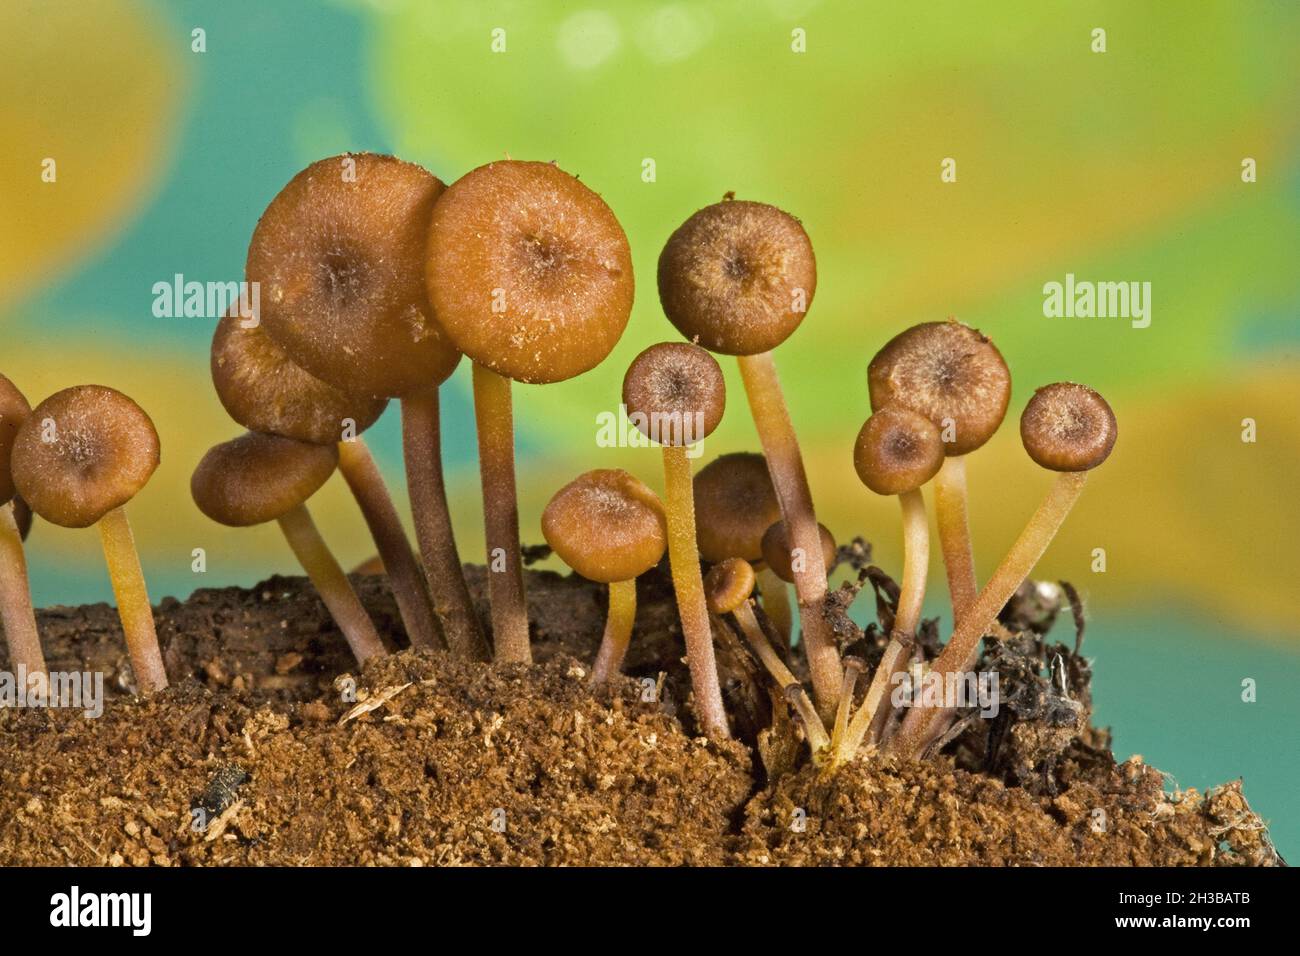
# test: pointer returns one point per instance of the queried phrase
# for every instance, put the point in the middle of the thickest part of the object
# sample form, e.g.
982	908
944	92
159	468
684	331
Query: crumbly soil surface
271	748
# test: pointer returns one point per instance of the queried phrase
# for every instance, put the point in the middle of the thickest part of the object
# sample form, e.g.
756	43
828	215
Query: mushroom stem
684	563
132	601
496	452
358	468
16	611
331	583
618	631
852	668
923	725
781	446
954	533
814	728
422	449
776	601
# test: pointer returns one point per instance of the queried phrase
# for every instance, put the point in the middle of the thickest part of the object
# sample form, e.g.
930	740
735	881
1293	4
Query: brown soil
265	751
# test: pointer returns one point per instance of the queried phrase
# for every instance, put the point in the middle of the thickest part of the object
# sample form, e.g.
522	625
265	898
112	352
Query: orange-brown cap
339	260
779	555
728	585
735	504
14	410
737	277
83	452
950	373
1068	427
266	391
897	450
529	271
675	393
606	525
256	478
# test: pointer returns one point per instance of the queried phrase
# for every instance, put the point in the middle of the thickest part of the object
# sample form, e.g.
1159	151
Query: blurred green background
1117	166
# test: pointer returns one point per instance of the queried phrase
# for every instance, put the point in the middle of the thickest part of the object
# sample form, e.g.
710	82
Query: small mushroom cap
776	550
735	504
529	271
83	452
265	391
14	410
339	259
897	450
728	585
607	525
256	478
1068	427
948	372
675	393
737	277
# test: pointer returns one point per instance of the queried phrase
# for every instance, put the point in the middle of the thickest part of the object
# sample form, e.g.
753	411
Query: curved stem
496	455
332	584
776	601
954	534
358	468
923	725
785	464
16	611
132	601
422	449
813	726
684	563
618	631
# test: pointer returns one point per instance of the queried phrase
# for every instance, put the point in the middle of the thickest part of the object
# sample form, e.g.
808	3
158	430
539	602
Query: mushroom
675	395
897	451
610	528
257	478
738	277
80	456
339	256
728	587
1066	428
780	557
16	612
530	274
956	377
734	504
266	391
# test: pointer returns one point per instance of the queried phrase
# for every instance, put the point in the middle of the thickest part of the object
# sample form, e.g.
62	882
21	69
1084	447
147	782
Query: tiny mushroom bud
16	612
258	478
781	557
609	527
530	274
1066	428
675	395
738	277
958	379
80	456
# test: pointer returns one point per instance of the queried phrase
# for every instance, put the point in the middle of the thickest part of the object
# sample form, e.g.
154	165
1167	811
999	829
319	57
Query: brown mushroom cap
675	393
776	550
728	585
897	450
735	504
529	271
339	258
948	372
14	410
1068	427
606	525
256	478
265	391
737	277
83	452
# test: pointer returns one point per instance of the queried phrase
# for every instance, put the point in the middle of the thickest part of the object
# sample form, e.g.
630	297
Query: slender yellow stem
923	725
16	611
852	668
954	534
776	601
785	464
132	601
331	584
618	631
361	473
684	563
422	448
813	726
496	454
